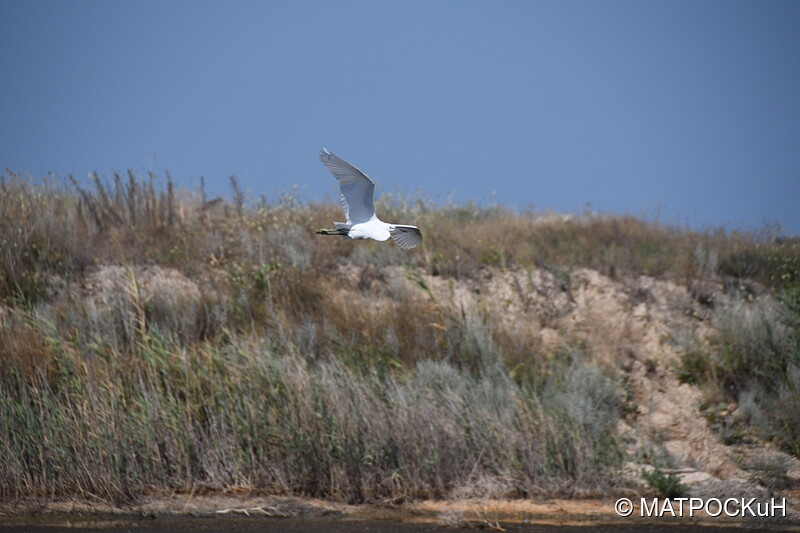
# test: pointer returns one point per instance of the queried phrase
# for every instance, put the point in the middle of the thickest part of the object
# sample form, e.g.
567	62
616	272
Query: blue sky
685	110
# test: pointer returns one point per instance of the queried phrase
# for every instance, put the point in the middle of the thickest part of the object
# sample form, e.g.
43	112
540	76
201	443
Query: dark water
258	525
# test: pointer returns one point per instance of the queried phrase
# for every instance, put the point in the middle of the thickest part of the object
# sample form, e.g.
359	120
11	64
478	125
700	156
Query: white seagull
357	190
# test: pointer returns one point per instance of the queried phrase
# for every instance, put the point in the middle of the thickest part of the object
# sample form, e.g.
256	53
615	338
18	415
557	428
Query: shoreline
483	513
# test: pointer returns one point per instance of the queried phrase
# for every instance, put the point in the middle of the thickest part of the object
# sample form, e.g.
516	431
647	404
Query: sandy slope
629	325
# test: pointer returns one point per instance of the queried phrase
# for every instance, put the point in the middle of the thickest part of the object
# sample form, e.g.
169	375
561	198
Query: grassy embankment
151	340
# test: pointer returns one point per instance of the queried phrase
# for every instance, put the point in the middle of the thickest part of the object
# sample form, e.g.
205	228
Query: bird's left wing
356	188
406	237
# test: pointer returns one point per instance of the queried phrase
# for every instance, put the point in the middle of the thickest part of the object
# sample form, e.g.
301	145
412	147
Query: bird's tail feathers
343	228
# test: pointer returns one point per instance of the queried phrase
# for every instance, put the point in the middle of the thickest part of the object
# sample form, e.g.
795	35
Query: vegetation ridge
152	339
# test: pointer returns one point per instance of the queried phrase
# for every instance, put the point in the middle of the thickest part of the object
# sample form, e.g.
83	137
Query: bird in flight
357	190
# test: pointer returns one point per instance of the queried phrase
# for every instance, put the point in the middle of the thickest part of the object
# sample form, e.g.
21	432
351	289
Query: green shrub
753	358
668	485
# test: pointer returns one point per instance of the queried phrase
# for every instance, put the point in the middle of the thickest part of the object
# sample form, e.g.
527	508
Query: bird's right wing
356	188
406	237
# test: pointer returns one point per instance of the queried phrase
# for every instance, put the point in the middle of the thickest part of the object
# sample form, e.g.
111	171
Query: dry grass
115	425
751	357
53	228
154	339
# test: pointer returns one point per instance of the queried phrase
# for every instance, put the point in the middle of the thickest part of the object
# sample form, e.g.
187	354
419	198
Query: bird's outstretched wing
356	188
406	237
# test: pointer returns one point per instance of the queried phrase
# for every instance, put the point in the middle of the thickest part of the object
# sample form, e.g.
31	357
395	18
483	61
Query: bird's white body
356	192
371	229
